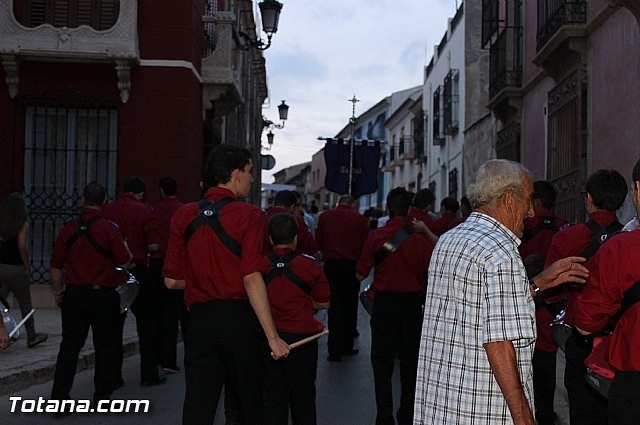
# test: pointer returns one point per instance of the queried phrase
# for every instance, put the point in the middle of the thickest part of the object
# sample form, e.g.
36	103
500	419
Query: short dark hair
635	175
450	204
607	188
423	198
544	190
133	184
94	194
285	198
221	162
282	228
169	185
398	202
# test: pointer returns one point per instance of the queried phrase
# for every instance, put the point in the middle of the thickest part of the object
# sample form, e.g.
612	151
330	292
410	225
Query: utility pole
352	120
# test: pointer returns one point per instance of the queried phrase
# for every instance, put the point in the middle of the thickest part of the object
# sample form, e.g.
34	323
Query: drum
9	322
560	330
128	291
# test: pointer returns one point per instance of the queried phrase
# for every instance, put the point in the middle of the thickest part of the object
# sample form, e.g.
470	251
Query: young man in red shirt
218	265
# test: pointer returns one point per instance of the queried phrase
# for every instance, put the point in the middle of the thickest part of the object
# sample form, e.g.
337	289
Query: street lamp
270	14
283	112
270	137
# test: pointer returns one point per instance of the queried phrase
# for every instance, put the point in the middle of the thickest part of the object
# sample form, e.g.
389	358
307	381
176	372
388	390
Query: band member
214	253
296	287
88	250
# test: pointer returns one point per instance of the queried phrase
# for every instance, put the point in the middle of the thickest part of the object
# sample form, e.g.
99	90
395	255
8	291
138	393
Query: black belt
93	287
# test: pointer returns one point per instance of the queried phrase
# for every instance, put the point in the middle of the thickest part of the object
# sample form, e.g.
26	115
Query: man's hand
279	348
562	271
4	337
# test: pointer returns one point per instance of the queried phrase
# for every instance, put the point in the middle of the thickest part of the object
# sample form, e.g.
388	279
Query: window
453	183
98	14
438	134
64	150
450	102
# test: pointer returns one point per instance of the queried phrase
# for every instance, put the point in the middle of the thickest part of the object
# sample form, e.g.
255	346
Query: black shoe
334	358
118	384
351	352
162	379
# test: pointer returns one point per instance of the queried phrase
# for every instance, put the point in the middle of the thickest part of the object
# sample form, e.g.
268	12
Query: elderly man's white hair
494	178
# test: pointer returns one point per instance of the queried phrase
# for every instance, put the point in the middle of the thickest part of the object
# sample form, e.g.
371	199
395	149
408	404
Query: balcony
505	66
61	36
559	23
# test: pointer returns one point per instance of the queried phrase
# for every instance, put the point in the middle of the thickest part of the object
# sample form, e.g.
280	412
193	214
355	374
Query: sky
326	51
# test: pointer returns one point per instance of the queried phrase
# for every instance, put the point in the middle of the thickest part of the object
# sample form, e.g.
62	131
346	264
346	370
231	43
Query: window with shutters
97	14
438	124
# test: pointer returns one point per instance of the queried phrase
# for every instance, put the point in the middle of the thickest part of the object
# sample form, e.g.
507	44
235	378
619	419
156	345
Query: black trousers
343	312
170	309
396	324
148	311
586	406
544	386
84	308
624	399
225	344
292	382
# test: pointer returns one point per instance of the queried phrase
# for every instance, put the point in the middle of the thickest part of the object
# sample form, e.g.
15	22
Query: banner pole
352	120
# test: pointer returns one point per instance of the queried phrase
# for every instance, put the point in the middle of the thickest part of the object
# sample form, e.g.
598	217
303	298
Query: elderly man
478	332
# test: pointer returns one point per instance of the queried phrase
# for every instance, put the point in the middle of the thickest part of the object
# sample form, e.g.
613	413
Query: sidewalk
22	367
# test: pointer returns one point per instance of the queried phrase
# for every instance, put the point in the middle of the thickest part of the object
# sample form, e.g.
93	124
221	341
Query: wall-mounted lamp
270	14
283	112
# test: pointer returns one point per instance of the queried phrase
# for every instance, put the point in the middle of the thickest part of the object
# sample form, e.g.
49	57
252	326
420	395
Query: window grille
64	150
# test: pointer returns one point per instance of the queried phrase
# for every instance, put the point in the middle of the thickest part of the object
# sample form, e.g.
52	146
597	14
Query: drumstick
308	339
21	324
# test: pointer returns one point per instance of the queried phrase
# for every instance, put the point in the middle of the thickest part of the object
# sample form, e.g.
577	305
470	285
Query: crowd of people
464	300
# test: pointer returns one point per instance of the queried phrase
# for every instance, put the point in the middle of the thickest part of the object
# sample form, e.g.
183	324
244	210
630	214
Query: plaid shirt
478	292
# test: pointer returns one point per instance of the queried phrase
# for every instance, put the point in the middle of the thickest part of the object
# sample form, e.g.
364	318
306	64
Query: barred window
98	14
64	150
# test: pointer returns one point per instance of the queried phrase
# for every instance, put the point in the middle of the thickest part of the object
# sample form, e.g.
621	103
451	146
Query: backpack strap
543	223
631	297
392	244
84	230
208	215
281	266
599	235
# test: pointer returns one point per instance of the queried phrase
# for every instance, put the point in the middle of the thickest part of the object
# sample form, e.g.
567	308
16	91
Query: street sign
268	162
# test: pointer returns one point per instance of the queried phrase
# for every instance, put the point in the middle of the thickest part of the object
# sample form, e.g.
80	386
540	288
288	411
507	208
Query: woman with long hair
15	275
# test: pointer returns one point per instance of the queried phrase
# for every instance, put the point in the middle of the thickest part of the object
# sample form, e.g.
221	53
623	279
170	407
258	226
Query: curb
44	371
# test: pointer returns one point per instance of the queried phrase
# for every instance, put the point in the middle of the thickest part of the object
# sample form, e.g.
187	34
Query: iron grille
210	9
490	19
553	14
453	183
64	150
98	14
505	61
508	142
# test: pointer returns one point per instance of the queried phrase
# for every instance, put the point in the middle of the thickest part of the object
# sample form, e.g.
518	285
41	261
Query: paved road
345	393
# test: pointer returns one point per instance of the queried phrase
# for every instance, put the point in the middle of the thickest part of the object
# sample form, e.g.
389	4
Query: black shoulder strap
392	244
631	296
543	223
599	235
84	230
208	213
281	266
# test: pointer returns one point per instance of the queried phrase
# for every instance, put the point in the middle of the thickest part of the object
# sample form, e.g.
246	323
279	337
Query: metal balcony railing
553	14
505	61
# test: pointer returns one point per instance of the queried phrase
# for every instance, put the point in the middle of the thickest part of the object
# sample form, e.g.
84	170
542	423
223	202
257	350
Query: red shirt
418	214
84	265
291	307
537	239
137	225
617	269
306	243
568	242
447	221
403	271
341	233
540	239
164	211
210	270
